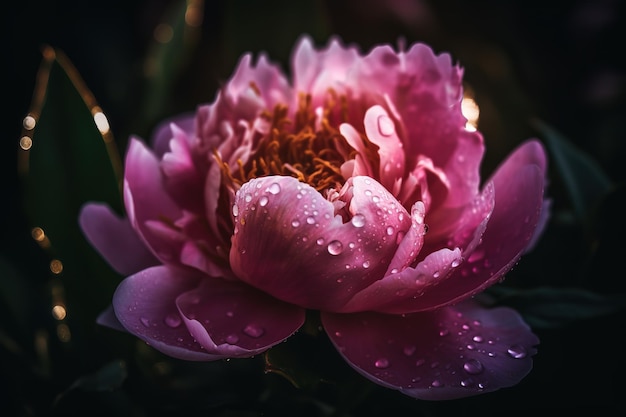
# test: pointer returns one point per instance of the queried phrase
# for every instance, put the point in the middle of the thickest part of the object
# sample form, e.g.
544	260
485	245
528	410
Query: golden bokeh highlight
56	266
59	312
26	143
63	332
470	110
102	123
193	14
163	33
29	122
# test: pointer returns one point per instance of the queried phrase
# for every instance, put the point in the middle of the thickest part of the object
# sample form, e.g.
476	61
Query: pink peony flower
353	190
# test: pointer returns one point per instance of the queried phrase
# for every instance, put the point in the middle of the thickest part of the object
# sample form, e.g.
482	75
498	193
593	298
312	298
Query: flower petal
145	304
381	130
449	353
147	202
289	242
511	227
115	239
232	319
160	142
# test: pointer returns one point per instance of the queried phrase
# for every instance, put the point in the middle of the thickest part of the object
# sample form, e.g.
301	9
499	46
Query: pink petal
517	212
115	239
148	203
232	319
381	130
163	132
145	304
449	353
289	242
109	319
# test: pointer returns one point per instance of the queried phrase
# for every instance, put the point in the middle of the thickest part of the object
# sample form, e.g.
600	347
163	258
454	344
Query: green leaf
583	177
546	307
70	162
108	378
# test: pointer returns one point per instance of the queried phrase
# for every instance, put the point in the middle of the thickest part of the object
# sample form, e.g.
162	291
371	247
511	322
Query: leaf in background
175	40
546	307
108	378
68	157
585	180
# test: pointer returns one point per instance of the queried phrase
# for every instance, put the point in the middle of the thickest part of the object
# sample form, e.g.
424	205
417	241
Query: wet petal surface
449	353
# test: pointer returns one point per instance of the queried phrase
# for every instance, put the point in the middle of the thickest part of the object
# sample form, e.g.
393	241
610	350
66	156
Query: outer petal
115	239
145	304
148	204
163	131
235	320
289	242
517	212
450	353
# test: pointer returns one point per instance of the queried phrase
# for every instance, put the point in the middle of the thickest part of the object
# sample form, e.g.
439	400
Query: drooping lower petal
145	304
449	353
115	239
232	319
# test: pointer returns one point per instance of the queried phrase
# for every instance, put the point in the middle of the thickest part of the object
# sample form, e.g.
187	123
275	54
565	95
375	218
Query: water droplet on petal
310	220
358	220
436	383
420	362
254	330
231	339
385	125
444	332
263	201
409	350
366	264
335	247
320	241
517	351
145	321
248	197
235	210
473	366
274	188
382	363
173	320
390	230
295	223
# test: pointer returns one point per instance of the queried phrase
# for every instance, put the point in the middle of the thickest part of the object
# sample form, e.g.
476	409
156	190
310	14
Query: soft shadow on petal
114	238
145	304
517	212
450	353
289	242
235	320
147	202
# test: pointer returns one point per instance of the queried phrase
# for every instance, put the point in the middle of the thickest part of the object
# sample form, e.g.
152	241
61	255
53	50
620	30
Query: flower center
308	147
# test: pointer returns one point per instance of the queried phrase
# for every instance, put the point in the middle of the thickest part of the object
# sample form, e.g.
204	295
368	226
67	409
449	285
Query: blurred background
534	68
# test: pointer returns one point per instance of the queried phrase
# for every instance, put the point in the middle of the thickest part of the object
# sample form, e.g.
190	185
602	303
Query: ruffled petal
115	239
147	203
381	130
232	319
289	242
517	212
449	353
145	304
160	142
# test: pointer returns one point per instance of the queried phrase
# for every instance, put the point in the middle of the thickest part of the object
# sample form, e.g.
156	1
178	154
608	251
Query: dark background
524	60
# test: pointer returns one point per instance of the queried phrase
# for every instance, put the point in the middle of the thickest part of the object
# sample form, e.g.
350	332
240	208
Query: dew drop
310	220
358	220
455	263
229	314
420	362
253	330
436	383
172	320
385	125
274	188
248	197
444	332
235	210
263	201
473	367
409	350
335	247
145	321
295	223
231	339
517	351
390	230
478	339
382	363
366	264
320	241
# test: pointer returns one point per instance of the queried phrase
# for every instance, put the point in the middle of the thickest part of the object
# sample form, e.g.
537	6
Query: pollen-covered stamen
306	147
